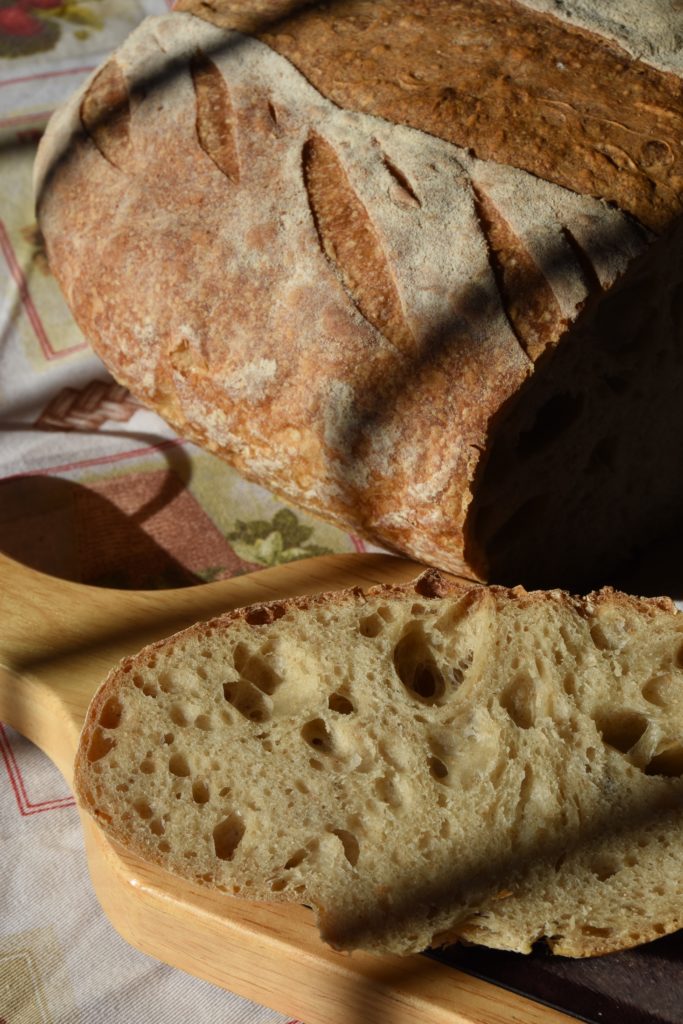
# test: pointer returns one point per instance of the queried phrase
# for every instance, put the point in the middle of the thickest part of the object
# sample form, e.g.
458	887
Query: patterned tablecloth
97	489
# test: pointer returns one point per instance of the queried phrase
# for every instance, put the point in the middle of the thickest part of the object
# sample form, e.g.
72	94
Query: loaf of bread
420	764
417	268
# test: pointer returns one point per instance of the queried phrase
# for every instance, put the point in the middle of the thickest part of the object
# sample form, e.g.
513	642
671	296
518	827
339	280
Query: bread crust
367	398
594	118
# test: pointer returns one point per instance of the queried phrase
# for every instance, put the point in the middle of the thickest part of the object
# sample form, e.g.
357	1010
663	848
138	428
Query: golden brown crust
366	397
478	74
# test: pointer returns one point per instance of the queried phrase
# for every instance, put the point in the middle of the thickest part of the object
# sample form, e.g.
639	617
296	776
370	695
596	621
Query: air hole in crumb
461	668
110	715
168	737
387	790
227	835
349	844
518	699
621	729
178	716
147	767
150	690
143	808
99	745
278	884
203	722
339	703
316	765
371	625
316	734
247	700
297	857
156	827
604	868
255	670
437	769
178	765
661	690
200	791
301	786
164	846
165	683
668	762
416	668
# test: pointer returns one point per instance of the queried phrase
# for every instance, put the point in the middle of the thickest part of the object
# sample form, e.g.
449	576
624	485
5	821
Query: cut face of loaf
420	764
445	353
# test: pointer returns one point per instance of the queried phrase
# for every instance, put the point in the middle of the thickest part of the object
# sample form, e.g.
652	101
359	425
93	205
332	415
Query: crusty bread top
555	95
410	286
421	764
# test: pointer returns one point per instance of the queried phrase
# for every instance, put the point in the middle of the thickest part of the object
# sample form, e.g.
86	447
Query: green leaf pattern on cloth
276	541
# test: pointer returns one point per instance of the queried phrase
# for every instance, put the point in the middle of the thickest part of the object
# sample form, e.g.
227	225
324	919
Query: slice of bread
421	764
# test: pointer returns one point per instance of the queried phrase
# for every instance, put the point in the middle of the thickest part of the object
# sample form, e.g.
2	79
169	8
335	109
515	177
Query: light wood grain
57	641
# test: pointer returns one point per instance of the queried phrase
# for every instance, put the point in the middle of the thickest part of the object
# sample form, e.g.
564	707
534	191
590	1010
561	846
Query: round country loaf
420	273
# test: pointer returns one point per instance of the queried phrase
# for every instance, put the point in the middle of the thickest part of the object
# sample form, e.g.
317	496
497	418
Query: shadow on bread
584	467
575	470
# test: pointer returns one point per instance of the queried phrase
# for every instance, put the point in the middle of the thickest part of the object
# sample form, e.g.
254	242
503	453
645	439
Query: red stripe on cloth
48	74
24	803
27	302
358	544
101	460
41	117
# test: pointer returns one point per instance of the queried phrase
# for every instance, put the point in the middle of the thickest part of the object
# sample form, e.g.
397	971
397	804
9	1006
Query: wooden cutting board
57	642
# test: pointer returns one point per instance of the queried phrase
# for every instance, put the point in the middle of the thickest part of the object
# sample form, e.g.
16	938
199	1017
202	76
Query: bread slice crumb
420	764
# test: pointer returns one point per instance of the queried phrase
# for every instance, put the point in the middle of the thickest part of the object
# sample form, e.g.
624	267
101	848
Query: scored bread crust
421	764
325	334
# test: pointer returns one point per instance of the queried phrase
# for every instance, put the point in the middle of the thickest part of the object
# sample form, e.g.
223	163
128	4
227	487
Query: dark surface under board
637	986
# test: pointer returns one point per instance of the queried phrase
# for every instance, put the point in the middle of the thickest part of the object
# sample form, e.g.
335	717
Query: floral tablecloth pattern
94	488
